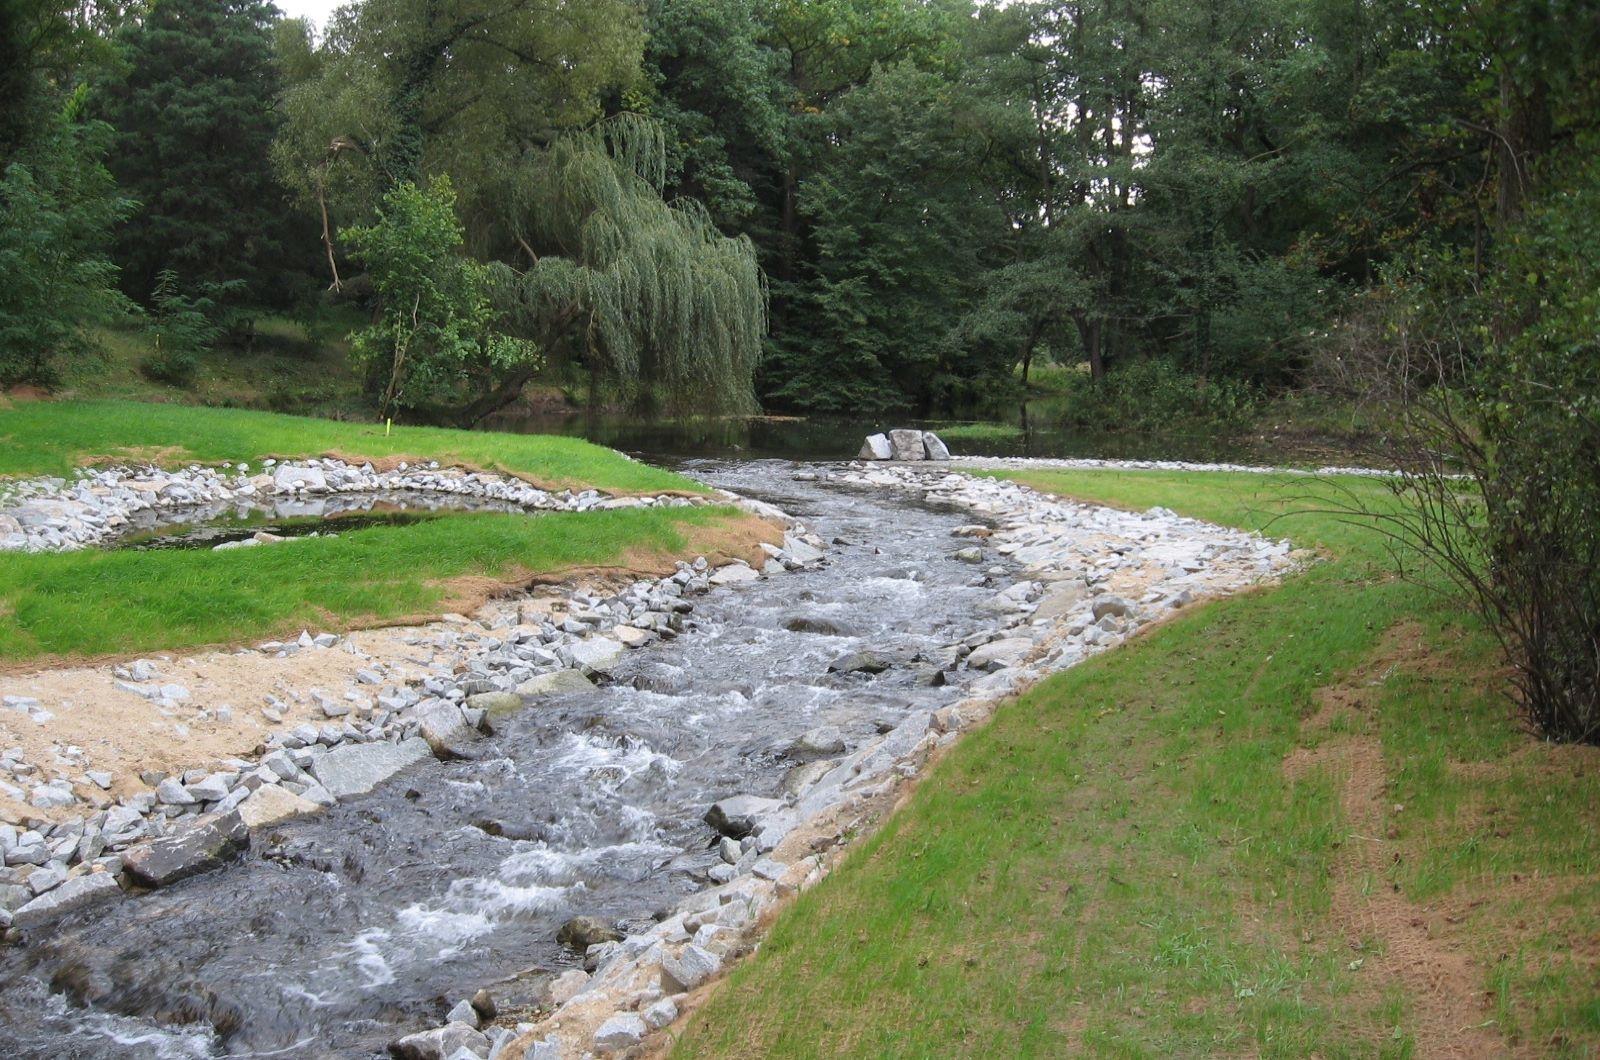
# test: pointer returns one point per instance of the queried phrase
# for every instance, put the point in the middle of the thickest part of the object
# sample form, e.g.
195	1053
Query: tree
432	348
638	290
194	110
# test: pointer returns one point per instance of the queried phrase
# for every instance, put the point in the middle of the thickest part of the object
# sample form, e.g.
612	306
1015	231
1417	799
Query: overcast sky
316	10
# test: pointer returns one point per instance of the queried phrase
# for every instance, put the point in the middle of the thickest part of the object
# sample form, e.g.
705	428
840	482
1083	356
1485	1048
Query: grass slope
122	602
1294	822
52	437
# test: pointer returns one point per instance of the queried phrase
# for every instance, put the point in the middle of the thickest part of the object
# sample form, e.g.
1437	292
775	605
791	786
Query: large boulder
581	932
446	730
209	844
622	1031
355	769
865	662
691	966
907	445
441	1043
270	804
997	654
876	447
738	817
597	655
935	446
556	683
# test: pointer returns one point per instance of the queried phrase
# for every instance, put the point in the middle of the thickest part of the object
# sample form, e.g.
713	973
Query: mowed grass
1168	850
123	602
53	437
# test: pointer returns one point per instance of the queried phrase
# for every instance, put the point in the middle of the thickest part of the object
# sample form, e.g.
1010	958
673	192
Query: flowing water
336	934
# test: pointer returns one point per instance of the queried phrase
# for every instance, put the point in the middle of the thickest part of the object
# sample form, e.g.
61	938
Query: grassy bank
52	437
1300	821
124	602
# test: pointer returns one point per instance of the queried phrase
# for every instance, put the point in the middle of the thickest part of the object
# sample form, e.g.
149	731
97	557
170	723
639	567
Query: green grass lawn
52	437
124	602
1271	826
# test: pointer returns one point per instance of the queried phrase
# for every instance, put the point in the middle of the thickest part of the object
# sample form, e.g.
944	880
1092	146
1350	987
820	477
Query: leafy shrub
181	327
1153	396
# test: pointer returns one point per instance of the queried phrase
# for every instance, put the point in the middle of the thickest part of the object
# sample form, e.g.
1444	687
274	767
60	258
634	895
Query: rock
597	655
660	1014
691	967
802	777
622	1031
631	637
1111	605
568	985
733	574
556	683
859	662
206	846
935	446
445	729
77	893
441	1043
737	817
821	742
581	932
819	624
463	1012
171	792
876	447
495	704
483	1004
907	445
287	478
1060	598
969	555
212	788
997	654
270	804
355	769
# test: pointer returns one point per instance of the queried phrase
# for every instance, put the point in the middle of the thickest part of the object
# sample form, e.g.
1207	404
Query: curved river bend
334	935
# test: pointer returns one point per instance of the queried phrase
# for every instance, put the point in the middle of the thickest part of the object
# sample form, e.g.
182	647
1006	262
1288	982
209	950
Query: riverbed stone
568	985
907	445
581	932
866	662
355	769
739	816
876	447
77	893
270	804
441	1043
446	730
210	843
821	742
997	654
935	446
734	574
496	704
597	655
556	683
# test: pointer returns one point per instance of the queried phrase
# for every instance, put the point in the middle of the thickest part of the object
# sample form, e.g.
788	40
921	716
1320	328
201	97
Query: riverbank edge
626	1005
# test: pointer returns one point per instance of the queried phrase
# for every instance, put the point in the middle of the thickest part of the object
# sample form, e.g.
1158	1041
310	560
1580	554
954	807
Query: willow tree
645	293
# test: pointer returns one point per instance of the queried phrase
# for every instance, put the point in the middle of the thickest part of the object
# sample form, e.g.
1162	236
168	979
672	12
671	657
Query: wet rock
556	683
821	742
76	894
446	730
733	574
441	1043
622	1031
969	555
496	704
738	817
907	445
690	967
210	843
581	932
820	624
355	769
876	447
865	662
597	655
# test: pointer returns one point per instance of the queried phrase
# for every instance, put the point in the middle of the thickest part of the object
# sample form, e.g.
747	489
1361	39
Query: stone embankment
1089	578
96	506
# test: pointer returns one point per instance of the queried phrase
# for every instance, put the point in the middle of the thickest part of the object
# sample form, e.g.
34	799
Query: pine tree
194	115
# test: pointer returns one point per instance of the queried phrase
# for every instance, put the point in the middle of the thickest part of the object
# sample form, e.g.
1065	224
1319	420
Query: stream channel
336	934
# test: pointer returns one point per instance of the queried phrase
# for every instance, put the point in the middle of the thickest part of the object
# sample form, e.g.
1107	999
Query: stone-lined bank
97	506
164	828
1090	577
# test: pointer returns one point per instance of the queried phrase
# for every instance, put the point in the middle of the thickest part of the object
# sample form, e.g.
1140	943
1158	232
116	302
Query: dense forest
812	205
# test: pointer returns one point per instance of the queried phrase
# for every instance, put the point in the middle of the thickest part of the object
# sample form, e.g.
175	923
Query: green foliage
1155	396
181	328
625	283
194	107
57	207
431	347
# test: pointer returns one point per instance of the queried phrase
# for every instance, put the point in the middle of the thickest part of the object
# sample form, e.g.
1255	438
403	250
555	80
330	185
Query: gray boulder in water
935	446
907	445
876	447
